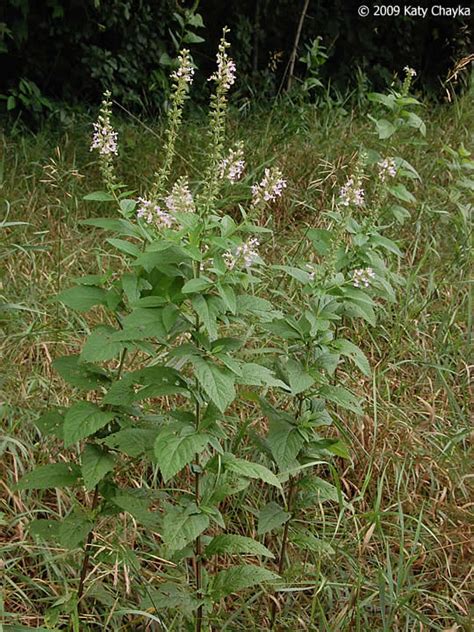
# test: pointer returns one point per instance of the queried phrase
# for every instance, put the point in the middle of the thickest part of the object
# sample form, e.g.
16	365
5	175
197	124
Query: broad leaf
51	475
271	517
250	470
342	397
352	351
215	382
285	441
176	448
238	578
236	544
182	525
96	463
74	529
82	375
100	345
84	419
132	441
83	297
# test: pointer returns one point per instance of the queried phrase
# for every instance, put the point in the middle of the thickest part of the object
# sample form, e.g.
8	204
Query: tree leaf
271	517
216	383
238	578
51	475
82	420
83	297
227	543
175	449
182	525
96	463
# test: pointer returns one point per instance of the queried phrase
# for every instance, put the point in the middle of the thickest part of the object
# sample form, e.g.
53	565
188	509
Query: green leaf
236	544
385	129
182	525
352	351
208	318
83	297
82	420
238	578
82	375
285	441
413	120
215	382
119	226
298	379
51	475
227	294
131	441
300	275
342	397
96	463
74	529
51	423
307	541
128	207
196	285
101	346
258	375
250	470
141	324
174	450
402	193
321	239
125	246
138	508
99	196
45	529
271	517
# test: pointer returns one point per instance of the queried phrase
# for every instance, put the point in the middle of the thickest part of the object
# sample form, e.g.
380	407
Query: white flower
387	167
185	72
269	188
410	71
226	70
351	193
361	277
104	138
245	254
233	166
180	199
151	213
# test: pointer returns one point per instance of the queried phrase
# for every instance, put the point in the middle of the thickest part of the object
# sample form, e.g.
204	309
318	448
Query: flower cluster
387	167
185	72
233	166
246	254
180	199
270	187
151	213
410	71
351	193
226	70
104	138
361	277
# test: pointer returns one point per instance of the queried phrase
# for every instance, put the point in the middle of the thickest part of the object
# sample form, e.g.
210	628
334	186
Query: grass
397	554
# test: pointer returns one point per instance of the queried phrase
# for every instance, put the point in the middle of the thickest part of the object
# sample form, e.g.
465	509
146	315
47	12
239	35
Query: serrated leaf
296	376
100	345
250	470
175	449
51	423
182	525
285	442
352	351
215	382
258	375
342	397
206	315
236	544
83	297
138	508
82	375
51	475
238	578
96	462
82	420
271	517
44	529
74	529
132	441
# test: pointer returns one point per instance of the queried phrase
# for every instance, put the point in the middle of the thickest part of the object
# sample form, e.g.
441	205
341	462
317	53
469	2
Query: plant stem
284	542
87	550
